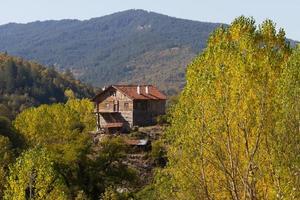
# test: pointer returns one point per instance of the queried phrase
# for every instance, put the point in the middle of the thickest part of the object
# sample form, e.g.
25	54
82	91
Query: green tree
105	168
8	131
222	130
70	94
6	158
54	127
25	84
4	111
85	108
112	194
287	138
158	153
62	129
10	75
33	176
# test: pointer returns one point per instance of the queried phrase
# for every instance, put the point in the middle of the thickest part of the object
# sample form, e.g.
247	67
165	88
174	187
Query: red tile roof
131	92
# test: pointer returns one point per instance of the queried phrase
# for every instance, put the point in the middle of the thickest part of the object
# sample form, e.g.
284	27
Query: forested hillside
125	47
233	133
24	84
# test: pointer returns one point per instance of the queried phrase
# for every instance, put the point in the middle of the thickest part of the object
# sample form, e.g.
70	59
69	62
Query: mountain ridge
111	49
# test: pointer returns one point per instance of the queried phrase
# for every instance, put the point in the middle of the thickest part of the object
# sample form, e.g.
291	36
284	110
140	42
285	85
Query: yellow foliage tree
33	177
6	157
59	128
223	134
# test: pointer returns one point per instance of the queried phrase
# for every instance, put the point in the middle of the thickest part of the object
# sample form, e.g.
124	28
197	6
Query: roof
131	92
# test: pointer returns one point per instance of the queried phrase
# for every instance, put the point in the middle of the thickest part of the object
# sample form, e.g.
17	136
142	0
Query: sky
286	14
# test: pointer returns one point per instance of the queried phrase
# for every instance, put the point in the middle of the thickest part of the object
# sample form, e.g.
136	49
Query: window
126	106
107	106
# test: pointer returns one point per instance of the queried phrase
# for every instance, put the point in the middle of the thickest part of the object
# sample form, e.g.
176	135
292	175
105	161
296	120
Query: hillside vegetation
233	133
24	84
129	46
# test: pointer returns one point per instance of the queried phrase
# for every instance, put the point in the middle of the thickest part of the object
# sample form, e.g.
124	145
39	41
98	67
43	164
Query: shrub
158	153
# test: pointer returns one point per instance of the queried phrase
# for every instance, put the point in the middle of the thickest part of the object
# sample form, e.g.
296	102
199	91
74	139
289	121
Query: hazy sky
286	13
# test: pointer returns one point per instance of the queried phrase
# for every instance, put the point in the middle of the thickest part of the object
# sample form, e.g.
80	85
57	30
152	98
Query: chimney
138	89
147	89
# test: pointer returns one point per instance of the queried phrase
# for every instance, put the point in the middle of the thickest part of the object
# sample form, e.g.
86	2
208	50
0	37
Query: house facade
121	107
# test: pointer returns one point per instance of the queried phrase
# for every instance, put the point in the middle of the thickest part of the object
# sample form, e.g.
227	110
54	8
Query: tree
8	131
68	74
287	138
6	158
55	127
105	168
33	176
158	153
10	75
4	111
25	84
222	134
85	108
70	94
62	129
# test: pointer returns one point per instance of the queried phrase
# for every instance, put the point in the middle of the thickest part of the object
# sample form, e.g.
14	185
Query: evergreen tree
10	75
25	84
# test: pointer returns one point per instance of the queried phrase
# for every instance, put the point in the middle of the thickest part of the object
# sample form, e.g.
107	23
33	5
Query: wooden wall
113	100
145	112
113	103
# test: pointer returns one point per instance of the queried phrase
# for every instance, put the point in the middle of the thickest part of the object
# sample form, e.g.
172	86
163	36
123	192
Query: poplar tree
224	139
6	157
33	176
287	137
57	128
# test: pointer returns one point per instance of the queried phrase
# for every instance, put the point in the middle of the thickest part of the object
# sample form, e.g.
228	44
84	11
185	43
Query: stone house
121	107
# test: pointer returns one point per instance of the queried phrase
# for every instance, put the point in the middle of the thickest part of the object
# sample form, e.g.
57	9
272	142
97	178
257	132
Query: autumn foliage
235	132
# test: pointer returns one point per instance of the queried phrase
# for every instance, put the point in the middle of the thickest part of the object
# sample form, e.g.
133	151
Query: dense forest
233	133
124	47
25	84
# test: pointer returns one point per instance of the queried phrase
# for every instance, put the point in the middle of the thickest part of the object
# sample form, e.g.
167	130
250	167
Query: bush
138	135
158	153
162	119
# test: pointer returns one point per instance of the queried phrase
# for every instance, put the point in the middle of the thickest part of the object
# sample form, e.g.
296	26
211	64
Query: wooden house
121	107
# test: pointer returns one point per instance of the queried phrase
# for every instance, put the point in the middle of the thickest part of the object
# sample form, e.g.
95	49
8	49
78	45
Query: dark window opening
112	93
